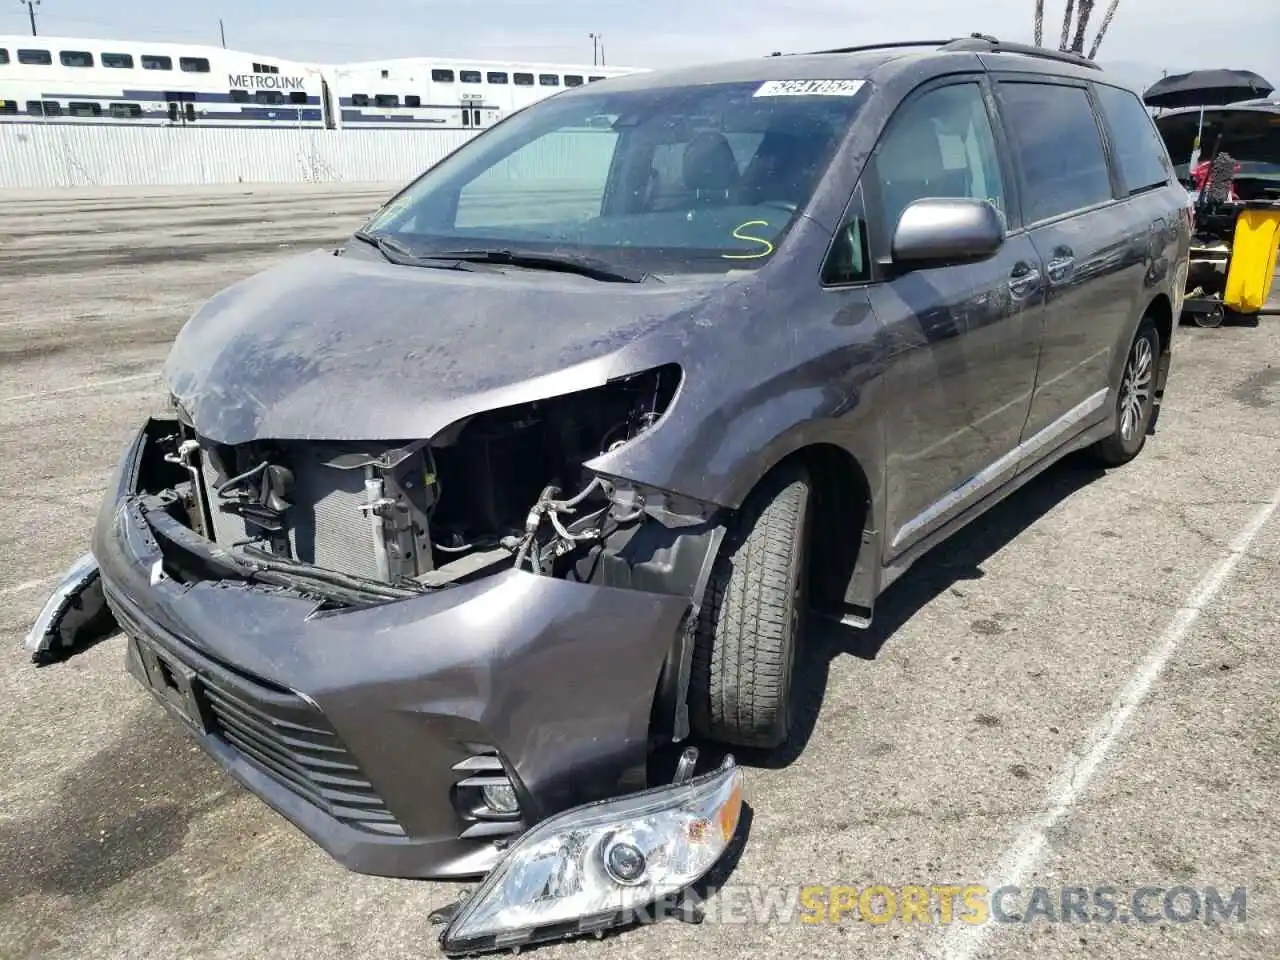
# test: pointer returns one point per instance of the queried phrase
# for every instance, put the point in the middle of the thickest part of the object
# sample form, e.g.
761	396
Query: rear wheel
1135	402
740	689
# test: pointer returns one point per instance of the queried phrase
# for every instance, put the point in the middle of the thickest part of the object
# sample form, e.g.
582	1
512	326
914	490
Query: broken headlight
598	865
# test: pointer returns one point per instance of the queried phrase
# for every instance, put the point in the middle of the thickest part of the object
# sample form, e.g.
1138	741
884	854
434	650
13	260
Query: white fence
74	155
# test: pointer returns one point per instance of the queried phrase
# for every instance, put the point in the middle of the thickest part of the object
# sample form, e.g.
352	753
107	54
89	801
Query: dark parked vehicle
451	527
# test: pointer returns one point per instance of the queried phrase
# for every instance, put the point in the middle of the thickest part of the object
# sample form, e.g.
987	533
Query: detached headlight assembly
592	867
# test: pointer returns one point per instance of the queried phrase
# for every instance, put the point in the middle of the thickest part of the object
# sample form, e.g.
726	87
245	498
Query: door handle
1025	281
1060	268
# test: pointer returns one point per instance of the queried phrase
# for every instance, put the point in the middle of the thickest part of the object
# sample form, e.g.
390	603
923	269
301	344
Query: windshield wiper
398	253
562	262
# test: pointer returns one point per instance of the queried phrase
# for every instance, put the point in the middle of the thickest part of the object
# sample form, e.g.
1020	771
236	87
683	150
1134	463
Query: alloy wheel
1135	391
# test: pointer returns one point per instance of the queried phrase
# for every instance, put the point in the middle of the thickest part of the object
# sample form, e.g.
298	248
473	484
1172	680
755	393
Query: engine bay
386	519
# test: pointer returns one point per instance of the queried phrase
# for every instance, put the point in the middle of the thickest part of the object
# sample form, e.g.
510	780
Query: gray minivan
448	529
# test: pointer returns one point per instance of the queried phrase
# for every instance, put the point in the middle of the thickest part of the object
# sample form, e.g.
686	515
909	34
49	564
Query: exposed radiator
325	522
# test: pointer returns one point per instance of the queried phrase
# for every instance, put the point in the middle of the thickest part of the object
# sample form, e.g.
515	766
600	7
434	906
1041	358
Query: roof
861	63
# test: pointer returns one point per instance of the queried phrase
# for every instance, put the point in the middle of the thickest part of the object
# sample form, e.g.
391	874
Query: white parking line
962	943
93	385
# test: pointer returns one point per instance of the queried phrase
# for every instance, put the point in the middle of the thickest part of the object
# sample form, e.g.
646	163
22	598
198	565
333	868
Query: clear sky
1147	36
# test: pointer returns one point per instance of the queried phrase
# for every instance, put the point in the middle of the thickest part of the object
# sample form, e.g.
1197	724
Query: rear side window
1143	160
1059	148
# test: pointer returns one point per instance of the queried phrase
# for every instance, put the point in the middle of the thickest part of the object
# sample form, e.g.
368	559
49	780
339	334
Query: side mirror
937	231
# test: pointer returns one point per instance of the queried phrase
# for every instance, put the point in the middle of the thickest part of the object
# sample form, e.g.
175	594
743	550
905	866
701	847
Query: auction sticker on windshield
809	88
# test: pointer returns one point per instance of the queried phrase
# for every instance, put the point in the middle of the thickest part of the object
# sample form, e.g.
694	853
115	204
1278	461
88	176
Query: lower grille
288	740
276	731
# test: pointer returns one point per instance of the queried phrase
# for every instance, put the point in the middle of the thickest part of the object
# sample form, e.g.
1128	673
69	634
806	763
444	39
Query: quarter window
1059	148
939	145
1141	154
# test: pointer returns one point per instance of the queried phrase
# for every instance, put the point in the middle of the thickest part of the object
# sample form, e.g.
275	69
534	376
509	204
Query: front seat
910	166
709	169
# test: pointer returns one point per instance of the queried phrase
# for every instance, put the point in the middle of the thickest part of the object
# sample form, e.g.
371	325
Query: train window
594	79
4	56
151	61
359	99
268	96
469	76
76	58
524	79
119	61
386	74
190	112
497	77
387	100
173	112
35	58
193	64
239	96
265	68
549	79
44	108
570	80
8	106
475	117
412	100
442	76
298	96
466	118
84	109
126	111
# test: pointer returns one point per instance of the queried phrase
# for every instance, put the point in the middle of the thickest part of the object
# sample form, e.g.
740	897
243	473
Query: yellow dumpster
1253	258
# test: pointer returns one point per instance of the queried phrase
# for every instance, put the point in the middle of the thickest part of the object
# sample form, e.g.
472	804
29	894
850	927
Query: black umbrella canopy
1206	88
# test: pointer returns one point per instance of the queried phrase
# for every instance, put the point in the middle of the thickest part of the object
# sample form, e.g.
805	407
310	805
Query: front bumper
359	725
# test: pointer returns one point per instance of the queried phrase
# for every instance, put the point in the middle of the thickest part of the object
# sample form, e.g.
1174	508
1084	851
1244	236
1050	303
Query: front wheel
1135	401
740	689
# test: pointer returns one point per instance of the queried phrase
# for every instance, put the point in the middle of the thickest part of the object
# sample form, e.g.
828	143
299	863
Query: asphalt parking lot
1080	690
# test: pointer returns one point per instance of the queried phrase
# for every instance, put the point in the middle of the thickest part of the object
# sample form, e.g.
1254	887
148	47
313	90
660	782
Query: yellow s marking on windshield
738	235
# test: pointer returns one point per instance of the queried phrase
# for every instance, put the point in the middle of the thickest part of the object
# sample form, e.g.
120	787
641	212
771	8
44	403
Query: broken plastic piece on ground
75	615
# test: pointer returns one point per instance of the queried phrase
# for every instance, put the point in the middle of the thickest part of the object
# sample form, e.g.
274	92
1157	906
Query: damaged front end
417	651
365	522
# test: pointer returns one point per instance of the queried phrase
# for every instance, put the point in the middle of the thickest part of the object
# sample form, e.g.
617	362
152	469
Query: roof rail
975	42
981	42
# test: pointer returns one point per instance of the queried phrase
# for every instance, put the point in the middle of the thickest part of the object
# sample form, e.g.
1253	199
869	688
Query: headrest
709	163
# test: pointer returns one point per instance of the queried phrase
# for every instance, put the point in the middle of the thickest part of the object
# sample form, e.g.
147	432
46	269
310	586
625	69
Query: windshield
673	179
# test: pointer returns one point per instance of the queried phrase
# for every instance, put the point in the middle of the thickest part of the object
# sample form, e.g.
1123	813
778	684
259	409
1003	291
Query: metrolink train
97	82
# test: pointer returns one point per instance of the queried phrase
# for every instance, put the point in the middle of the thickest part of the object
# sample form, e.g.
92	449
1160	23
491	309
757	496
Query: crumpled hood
344	348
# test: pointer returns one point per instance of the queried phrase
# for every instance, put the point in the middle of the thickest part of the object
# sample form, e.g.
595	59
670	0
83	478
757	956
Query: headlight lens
602	860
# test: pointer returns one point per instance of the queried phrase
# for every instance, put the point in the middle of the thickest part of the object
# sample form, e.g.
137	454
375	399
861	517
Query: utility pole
222	31
595	48
31	12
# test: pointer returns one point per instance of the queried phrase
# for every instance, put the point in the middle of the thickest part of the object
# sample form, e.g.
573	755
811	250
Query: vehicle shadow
959	559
